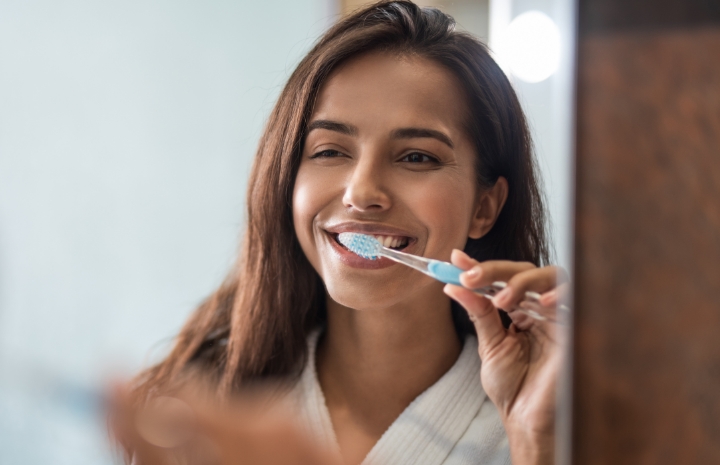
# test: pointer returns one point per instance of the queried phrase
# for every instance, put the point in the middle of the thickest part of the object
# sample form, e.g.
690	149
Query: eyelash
325	154
336	154
428	158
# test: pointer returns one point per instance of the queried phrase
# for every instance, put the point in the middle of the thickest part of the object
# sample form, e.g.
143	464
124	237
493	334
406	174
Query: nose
365	191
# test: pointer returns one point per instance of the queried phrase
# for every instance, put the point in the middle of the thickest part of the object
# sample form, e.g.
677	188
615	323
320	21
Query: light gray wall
126	133
549	108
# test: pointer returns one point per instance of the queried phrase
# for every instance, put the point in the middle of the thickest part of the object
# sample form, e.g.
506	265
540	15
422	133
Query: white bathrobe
452	423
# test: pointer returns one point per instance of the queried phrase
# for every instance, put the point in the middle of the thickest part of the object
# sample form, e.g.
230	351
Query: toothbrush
368	247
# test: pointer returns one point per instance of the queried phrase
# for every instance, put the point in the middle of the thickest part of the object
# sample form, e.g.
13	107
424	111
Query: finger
473	271
535	279
117	412
147	454
242	433
122	414
521	320
481	274
469	265
555	296
166	422
485	317
462	260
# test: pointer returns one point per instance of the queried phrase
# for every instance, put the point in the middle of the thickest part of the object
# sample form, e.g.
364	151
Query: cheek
310	197
302	208
445	206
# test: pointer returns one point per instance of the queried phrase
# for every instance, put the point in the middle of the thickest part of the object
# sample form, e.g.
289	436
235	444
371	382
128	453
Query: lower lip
356	261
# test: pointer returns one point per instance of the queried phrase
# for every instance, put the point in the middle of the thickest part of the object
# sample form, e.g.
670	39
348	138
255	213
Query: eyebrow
333	126
401	133
412	133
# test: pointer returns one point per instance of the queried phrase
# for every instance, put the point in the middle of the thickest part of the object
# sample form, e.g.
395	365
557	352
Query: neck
373	363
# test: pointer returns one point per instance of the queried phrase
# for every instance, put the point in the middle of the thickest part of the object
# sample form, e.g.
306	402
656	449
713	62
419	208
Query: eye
417	157
327	154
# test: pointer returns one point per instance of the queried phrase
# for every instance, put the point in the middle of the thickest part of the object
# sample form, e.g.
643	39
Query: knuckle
521	280
487	267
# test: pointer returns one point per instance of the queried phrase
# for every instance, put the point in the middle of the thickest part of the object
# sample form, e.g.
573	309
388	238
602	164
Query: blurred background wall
127	130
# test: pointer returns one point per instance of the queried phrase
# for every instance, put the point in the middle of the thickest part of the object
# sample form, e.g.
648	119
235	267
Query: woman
393	125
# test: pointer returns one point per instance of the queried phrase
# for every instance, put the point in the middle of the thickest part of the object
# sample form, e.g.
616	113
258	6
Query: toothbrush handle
450	274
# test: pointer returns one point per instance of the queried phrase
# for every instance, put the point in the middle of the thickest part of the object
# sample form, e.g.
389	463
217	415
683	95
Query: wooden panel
647	324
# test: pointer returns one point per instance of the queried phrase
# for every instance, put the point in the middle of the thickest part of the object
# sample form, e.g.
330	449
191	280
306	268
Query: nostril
365	206
366	196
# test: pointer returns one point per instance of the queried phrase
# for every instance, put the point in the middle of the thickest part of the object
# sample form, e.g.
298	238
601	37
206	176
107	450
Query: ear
488	206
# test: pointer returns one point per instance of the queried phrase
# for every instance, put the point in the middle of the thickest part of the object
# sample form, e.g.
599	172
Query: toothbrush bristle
361	244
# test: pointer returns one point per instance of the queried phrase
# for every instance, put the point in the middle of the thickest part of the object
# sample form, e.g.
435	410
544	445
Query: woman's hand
196	431
520	365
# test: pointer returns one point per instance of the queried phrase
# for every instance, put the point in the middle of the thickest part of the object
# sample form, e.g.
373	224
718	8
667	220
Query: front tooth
387	240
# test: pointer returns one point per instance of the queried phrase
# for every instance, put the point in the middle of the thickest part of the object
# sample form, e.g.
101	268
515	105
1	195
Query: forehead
384	90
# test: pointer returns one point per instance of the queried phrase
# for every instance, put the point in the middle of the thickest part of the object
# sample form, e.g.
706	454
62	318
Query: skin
361	169
381	321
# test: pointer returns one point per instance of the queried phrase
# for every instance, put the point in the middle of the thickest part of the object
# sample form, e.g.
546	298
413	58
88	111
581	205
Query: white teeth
391	241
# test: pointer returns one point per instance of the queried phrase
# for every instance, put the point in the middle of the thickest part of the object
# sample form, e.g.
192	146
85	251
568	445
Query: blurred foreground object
647	324
195	429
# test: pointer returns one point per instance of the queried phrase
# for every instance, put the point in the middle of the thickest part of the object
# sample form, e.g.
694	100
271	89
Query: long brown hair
255	325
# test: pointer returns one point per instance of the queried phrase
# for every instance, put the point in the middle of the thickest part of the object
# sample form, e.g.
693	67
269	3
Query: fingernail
472	273
548	297
502	297
458	254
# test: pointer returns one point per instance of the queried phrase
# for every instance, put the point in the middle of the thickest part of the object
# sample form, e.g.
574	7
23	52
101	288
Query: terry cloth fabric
451	423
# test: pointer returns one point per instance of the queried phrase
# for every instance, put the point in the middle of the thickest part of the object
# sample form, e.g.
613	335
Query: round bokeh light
530	47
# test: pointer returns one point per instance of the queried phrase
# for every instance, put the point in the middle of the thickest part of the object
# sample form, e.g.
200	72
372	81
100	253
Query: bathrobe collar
426	431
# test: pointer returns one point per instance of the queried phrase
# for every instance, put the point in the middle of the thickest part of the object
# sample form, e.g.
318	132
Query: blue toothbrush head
361	244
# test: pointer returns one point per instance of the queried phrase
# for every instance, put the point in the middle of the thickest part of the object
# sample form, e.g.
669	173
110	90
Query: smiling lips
393	241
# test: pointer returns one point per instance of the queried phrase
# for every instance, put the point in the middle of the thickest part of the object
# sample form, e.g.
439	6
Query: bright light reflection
530	47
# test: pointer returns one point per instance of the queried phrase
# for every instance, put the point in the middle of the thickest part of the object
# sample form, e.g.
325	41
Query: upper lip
368	228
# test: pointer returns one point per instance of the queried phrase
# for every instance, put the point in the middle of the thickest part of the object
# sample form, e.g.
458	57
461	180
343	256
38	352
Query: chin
367	297
381	290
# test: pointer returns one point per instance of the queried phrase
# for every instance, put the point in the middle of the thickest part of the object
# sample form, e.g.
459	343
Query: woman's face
386	154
